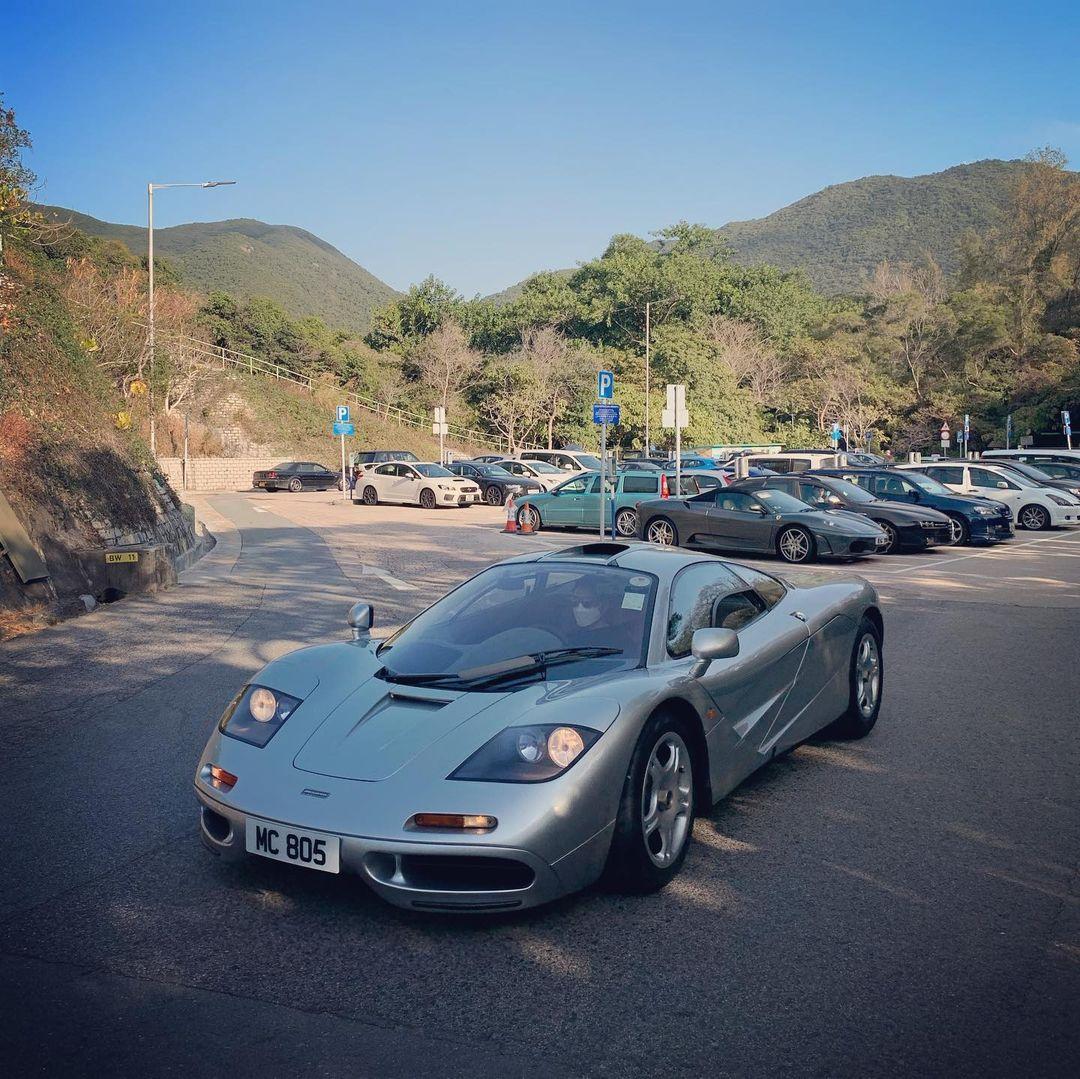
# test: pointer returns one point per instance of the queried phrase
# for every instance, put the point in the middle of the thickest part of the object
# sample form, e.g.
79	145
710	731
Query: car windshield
781	502
513	612
927	484
496	471
851	491
586	460
1037	474
435	471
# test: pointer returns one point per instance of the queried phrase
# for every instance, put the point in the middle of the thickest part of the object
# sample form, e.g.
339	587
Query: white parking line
393	582
1000	552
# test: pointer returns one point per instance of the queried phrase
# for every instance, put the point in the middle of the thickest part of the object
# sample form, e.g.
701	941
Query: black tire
371	496
894	538
960	530
796	545
626	523
638	862
859	720
493	496
296	485
534	516
1034	518
663	532
427	499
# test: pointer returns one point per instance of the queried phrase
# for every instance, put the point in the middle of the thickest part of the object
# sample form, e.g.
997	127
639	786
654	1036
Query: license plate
314	850
881	540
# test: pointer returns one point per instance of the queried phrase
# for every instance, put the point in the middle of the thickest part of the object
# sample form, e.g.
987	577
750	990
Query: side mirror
361	619
709	644
1003	485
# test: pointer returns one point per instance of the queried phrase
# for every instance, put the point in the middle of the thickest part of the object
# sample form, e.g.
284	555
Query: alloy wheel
795	545
371	496
956	532
626	522
662	533
893	537
427	499
528	514
1034	518
666	796
493	496
867	675
296	485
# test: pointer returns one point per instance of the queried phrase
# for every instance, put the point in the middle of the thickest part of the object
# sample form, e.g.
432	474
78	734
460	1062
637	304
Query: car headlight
527	754
257	715
1059	501
986	511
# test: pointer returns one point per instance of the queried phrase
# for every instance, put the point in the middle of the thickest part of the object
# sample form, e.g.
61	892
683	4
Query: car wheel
656	811
959	531
662	532
894	539
296	485
866	678
371	496
493	496
427	499
795	545
531	514
626	522
1033	518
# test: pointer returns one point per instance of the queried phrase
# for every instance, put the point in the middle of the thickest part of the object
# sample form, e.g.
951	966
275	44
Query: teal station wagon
576	503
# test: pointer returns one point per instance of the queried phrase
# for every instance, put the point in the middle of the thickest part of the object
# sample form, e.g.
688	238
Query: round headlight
564	746
262	705
530	746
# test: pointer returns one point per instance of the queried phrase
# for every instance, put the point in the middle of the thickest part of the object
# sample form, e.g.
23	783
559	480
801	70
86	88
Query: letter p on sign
605	385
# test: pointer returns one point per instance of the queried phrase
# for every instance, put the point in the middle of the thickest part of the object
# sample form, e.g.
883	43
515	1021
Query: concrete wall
214	473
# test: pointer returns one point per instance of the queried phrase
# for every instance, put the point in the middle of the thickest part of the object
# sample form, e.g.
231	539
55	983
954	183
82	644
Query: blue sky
482	142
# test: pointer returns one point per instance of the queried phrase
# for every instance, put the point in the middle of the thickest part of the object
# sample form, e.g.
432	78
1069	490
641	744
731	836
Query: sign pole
344	477
603	476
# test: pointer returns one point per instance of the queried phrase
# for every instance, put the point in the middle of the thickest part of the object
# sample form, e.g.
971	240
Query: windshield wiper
504	670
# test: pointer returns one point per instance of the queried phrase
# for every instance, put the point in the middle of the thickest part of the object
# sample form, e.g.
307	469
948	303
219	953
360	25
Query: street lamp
150	189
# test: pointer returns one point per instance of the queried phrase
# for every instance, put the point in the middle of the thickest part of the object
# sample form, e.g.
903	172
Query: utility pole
647	440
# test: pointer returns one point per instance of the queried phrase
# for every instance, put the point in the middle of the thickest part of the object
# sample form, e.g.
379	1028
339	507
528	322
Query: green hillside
839	234
246	258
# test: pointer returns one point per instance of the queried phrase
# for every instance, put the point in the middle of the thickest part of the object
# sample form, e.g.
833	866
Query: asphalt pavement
908	904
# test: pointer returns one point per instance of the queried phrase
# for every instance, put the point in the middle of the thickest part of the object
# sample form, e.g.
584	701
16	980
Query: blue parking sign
343	413
605	385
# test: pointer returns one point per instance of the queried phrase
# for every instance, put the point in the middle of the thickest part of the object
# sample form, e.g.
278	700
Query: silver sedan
557	719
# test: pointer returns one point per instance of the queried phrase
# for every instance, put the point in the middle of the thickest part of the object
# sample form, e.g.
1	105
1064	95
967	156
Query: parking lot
910	902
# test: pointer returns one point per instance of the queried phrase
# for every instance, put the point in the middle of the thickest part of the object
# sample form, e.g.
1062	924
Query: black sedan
758	522
495	482
909	528
296	476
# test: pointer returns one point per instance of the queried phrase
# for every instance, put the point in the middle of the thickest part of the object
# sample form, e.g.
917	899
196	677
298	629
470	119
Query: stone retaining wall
214	473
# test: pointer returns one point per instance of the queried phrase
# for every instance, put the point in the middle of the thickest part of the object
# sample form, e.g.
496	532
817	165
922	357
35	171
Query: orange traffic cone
511	515
526	528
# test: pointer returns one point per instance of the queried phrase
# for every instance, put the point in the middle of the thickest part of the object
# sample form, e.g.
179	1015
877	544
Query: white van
795	460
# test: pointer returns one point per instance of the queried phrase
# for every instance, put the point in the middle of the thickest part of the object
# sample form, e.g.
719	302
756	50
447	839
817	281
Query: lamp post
150	189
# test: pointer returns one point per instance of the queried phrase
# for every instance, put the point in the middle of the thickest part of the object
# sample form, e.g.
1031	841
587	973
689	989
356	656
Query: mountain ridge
246	257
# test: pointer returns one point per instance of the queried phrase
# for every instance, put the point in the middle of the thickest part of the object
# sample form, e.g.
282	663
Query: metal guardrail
224	358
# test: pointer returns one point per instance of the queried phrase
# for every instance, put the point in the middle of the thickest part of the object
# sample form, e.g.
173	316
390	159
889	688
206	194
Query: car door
408	483
382	478
749	690
737	521
986	483
565	507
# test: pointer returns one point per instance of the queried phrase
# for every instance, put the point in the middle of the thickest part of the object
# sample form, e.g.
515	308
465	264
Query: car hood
353	725
909	511
852	524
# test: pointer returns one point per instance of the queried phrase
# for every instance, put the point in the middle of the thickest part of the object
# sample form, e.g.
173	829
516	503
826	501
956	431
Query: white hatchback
1033	507
419	483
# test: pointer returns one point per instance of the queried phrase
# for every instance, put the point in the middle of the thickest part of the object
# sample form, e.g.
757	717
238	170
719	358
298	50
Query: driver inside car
596	617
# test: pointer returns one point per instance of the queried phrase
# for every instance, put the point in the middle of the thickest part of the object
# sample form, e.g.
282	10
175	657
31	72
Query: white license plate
314	850
881	540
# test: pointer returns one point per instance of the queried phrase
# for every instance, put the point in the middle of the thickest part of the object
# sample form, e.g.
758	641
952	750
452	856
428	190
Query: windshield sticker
633	601
639	582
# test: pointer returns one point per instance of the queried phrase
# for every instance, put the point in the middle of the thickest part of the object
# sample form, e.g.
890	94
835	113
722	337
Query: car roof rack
607	552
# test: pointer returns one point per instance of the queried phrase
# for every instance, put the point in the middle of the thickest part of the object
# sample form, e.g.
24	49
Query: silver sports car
556	719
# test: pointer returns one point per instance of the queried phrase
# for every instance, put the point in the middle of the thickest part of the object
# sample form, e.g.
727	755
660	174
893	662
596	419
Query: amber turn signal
457	822
222	779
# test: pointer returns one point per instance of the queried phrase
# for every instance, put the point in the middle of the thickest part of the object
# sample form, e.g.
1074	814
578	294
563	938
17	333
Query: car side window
575	487
946	475
982	477
386	470
695	593
737	609
736	502
641	485
814	493
764	584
